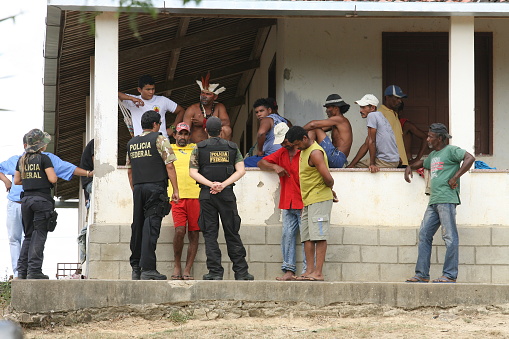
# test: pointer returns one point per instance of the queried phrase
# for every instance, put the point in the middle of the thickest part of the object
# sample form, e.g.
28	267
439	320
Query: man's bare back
196	119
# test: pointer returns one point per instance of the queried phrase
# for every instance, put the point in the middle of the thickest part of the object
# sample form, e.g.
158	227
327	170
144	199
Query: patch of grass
178	318
5	293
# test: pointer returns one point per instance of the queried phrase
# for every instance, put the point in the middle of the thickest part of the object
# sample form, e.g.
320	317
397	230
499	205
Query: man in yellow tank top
316	184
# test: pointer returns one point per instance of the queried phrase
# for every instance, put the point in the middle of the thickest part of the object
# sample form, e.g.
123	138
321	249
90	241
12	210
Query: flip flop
444	279
176	277
417	279
187	277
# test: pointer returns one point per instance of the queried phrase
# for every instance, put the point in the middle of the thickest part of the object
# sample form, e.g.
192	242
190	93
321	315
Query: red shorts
186	212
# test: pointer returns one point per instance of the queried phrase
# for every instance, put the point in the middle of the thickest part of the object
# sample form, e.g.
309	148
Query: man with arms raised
338	148
316	184
197	114
148	101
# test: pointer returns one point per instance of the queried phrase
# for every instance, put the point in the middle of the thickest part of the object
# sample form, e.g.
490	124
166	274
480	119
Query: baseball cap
36	139
182	126
280	132
368	99
395	90
213	124
336	100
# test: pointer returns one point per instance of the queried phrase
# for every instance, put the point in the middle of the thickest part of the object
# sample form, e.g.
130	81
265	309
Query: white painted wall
500	29
365	199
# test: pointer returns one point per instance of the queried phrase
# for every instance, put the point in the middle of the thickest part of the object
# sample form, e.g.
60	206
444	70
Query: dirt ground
480	322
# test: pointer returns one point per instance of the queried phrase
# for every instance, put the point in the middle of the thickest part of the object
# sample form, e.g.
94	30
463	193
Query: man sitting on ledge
383	151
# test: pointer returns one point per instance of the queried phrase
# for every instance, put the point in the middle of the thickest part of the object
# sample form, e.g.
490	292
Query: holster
161	209
52	221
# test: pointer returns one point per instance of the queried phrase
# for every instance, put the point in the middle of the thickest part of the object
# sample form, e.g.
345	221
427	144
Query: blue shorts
336	158
252	161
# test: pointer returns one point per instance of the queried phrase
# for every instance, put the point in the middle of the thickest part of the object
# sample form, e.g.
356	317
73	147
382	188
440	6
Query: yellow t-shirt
312	186
188	189
393	119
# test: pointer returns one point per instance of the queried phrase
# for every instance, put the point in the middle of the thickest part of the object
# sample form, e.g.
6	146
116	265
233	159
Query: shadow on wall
301	112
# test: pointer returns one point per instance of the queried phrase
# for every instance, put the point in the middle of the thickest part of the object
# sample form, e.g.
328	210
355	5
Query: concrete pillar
280	70
105	108
462	82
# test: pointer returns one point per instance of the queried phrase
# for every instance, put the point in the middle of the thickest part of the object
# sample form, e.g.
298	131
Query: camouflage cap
36	139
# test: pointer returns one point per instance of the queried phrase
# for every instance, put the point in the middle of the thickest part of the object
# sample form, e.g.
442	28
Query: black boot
135	275
152	275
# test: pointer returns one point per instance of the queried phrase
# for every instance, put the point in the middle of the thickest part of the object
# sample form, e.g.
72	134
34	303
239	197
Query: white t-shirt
158	103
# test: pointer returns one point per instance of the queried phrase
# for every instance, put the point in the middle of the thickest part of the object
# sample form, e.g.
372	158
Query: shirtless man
197	114
338	149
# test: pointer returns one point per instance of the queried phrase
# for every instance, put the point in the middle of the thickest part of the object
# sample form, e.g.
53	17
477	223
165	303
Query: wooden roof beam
209	35
175	54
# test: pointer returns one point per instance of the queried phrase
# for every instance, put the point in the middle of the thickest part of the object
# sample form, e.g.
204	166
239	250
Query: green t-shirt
443	165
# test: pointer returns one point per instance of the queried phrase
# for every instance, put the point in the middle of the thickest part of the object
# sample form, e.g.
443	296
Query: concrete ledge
32	296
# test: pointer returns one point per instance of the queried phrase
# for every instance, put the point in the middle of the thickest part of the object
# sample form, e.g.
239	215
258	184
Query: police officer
36	173
150	161
216	164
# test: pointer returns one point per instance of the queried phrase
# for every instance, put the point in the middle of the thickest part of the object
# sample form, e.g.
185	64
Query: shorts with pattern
315	221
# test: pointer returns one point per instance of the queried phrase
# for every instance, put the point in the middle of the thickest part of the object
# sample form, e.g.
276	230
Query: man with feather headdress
197	114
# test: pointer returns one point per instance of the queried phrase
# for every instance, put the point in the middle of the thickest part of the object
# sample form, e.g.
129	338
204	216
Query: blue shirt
268	146
63	170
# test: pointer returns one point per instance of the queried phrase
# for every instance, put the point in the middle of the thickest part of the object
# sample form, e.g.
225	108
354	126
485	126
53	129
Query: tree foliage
131	8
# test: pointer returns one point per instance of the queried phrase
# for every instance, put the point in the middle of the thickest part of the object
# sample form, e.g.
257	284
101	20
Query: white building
450	58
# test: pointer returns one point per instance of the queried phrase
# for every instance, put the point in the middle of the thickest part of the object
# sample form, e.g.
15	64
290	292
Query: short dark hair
148	118
296	133
145	80
262	102
273	104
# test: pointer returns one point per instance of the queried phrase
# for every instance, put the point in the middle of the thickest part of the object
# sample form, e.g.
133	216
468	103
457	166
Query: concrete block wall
355	253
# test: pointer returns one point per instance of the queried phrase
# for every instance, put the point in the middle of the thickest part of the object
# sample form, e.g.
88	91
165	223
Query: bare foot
313	277
288	276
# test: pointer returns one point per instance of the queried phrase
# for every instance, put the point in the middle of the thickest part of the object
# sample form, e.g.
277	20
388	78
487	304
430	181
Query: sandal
176	277
444	279
187	277
417	279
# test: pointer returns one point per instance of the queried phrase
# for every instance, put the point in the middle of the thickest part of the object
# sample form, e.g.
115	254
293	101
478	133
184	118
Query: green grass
5	293
178	318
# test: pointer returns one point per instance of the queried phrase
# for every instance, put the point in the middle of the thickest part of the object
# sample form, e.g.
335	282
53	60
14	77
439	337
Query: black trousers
146	226
224	205
35	212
